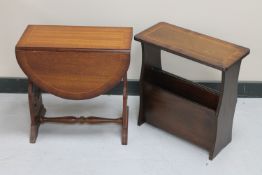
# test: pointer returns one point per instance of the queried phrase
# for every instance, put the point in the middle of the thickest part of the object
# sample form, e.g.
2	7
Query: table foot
124	134
33	133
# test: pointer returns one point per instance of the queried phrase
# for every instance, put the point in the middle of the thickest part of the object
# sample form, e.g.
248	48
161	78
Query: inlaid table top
74	62
195	46
48	37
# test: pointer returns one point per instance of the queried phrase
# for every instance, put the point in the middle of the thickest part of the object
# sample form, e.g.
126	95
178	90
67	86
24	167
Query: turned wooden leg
37	110
226	109
151	57
125	113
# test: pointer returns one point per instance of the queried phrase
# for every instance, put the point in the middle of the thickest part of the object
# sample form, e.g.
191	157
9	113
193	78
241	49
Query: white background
237	21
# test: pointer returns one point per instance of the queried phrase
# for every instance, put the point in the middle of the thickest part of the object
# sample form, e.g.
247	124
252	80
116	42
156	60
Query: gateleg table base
38	111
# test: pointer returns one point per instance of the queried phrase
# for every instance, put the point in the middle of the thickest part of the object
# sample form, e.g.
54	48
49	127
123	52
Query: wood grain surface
74	75
179	116
182	107
195	46
74	62
53	37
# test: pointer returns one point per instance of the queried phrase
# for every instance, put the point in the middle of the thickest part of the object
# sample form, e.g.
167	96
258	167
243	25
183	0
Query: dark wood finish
226	109
76	63
185	88
174	113
195	46
154	53
182	107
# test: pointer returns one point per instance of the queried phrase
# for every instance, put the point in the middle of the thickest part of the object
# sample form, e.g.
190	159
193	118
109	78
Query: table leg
151	57
37	109
226	109
125	113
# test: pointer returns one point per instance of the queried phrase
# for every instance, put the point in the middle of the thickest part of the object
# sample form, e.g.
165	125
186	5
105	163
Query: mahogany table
74	62
194	112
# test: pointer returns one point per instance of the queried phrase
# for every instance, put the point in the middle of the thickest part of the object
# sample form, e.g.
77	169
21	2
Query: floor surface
96	149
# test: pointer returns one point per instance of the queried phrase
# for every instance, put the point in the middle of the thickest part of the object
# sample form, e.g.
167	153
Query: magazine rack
182	107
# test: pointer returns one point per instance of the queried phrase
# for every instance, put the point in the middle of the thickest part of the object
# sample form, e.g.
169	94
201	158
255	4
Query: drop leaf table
182	107
74	62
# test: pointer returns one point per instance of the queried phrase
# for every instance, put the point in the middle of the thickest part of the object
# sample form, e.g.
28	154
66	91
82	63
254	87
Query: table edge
246	51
